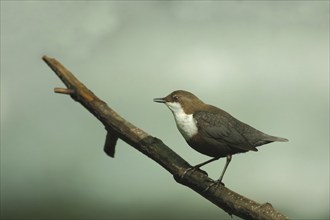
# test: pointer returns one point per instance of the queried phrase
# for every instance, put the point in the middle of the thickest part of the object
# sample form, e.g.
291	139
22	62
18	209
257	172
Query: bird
212	131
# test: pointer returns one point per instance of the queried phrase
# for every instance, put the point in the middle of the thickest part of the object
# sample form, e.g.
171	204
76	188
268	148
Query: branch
118	127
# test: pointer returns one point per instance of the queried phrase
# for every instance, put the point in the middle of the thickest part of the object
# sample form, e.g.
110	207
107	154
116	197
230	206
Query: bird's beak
160	100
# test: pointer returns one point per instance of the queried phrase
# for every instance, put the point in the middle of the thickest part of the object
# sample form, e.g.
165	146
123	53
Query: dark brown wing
224	129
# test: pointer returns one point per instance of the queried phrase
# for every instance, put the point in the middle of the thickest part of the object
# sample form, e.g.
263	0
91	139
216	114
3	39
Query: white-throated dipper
212	131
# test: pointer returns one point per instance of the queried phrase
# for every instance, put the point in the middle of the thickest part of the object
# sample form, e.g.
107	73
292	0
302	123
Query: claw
216	183
192	169
207	188
186	171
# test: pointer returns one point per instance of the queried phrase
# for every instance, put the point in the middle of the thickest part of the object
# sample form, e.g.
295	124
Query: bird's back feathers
219	126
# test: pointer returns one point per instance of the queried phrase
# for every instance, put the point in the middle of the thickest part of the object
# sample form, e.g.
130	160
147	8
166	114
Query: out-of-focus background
265	62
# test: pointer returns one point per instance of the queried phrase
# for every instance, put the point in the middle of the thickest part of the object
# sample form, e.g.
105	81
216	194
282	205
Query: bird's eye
175	98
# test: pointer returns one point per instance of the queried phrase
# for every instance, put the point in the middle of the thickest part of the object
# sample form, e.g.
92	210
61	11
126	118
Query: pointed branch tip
45	58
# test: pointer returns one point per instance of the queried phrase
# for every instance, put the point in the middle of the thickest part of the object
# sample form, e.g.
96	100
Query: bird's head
181	100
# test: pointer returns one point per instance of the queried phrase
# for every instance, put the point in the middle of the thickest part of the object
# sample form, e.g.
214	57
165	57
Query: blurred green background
265	62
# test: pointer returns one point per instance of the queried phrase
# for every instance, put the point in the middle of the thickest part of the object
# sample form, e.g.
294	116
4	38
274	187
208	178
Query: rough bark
117	127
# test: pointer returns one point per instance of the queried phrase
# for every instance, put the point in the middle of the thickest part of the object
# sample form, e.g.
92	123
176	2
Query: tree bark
119	128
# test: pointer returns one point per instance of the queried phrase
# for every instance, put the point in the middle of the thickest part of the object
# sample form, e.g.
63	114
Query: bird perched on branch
212	131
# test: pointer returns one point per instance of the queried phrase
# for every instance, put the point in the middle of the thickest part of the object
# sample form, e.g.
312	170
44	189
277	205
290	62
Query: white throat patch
185	123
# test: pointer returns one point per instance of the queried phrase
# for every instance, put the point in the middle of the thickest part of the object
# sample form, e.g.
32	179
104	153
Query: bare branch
154	148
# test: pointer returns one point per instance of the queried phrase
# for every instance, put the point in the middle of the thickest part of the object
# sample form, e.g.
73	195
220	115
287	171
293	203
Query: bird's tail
278	139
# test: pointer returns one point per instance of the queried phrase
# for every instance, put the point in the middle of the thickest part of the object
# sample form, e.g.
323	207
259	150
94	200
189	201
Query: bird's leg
219	181
224	169
199	165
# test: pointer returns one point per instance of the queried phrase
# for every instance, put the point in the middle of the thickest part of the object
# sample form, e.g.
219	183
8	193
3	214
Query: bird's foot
186	171
192	169
216	184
